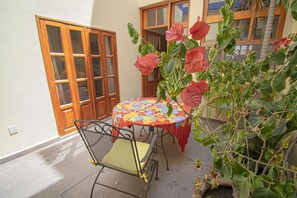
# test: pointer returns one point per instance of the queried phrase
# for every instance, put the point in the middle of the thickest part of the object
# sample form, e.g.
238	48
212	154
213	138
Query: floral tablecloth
149	112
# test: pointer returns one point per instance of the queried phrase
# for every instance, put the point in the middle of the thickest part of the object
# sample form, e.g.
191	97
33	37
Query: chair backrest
99	137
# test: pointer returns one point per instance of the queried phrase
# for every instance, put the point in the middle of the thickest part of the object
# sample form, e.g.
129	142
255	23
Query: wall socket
12	129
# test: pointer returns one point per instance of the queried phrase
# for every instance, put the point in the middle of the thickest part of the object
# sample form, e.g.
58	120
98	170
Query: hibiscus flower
195	61
199	29
175	33
192	95
146	64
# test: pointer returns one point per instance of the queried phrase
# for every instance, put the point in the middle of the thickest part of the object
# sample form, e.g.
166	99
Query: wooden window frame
248	14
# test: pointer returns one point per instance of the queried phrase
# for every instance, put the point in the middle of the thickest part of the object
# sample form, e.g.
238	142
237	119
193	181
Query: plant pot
223	189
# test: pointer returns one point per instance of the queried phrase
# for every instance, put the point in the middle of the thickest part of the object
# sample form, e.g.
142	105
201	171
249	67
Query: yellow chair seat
121	155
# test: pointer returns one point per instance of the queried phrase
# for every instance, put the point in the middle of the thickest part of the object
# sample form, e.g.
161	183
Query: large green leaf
133	33
293	58
265	193
197	133
278	57
294	9
279	82
265	65
242	184
169	67
266	88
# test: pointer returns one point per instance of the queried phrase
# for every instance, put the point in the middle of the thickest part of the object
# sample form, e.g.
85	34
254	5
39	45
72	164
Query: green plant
256	96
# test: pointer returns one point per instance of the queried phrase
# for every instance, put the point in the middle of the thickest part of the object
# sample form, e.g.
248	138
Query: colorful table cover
149	112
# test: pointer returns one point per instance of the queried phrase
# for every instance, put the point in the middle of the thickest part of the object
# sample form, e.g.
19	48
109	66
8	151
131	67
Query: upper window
156	17
251	23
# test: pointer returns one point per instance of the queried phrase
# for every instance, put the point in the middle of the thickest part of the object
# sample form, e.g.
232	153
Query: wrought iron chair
117	149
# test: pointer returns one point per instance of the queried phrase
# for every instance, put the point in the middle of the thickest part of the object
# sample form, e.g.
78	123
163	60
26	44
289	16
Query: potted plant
256	96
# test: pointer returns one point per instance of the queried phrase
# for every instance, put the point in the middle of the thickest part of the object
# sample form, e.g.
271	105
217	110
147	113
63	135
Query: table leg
151	129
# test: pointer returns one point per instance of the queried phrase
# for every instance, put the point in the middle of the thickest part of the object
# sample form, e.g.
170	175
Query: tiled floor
62	170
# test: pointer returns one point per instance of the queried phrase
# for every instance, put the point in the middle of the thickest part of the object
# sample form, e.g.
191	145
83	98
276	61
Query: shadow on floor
63	170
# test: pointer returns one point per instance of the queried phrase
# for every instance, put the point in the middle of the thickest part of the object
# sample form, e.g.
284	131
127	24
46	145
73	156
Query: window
251	24
81	69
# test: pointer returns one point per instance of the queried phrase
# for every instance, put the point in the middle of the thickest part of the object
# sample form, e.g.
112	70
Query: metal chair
117	149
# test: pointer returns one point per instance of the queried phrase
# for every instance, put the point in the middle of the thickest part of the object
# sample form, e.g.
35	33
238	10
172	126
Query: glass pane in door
64	93
79	63
59	67
111	85
109	64
98	88
181	12
154	76
83	90
54	39
162	14
108	45
76	42
94	44
96	67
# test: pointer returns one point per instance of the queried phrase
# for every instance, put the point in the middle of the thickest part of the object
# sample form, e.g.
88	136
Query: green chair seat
121	156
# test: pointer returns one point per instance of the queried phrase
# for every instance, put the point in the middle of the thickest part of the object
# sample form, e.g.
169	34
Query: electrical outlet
12	129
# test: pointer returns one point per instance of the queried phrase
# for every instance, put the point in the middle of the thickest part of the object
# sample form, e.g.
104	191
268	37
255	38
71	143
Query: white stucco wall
25	99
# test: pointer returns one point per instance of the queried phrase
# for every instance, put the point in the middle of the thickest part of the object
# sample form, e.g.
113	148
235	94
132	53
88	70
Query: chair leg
150	180
96	181
167	167
157	168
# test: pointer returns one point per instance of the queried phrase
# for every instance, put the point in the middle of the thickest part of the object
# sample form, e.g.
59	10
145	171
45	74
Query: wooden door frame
143	27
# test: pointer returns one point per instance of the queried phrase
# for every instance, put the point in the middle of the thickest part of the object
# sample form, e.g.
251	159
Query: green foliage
258	98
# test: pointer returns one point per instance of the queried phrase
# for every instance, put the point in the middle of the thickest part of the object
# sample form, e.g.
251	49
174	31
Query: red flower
202	85
192	95
199	29
146	64
195	61
175	33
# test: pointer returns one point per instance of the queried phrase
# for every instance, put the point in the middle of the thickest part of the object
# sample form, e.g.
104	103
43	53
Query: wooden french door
81	68
151	81
103	71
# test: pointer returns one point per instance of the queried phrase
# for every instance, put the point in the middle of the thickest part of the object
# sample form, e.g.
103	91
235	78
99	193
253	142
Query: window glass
83	90
181	12
244	26
162	14
239	53
59	67
64	93
212	34
79	63
151	18
54	39
154	76
150	39
96	67
257	47
98	88
108	45
76	42
215	5
157	42
110	67
111	87
260	25
94	44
